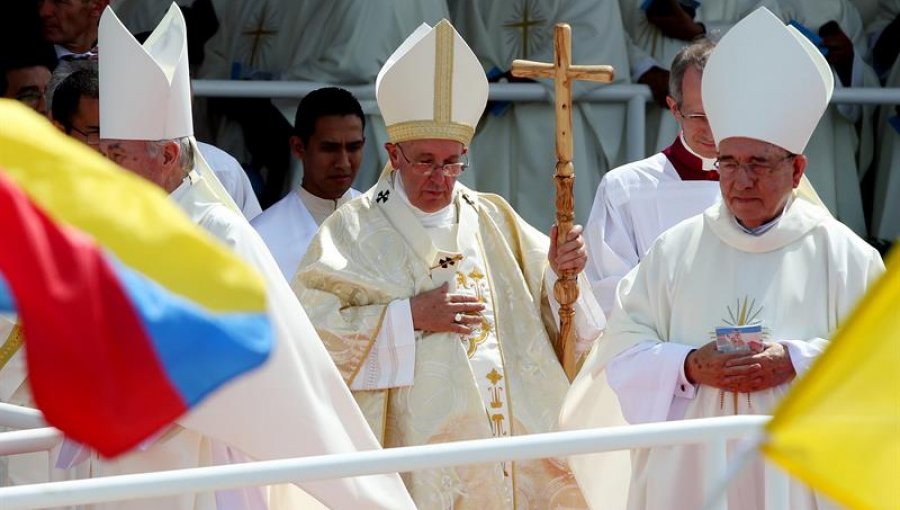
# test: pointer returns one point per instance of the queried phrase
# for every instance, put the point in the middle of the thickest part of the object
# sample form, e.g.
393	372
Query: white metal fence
635	96
715	432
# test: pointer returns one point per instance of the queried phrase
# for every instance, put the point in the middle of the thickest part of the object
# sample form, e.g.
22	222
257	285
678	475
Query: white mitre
432	87
766	81
145	91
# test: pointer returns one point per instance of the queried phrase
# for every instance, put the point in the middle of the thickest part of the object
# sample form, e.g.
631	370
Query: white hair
185	151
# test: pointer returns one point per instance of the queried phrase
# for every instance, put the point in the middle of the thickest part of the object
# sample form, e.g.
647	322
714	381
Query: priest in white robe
296	404
513	152
841	148
662	27
764	259
328	140
637	202
433	298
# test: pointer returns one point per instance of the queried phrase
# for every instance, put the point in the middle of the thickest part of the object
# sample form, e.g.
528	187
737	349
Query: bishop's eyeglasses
756	167
426	168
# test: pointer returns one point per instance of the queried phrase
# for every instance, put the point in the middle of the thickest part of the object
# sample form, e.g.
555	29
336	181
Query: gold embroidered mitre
432	87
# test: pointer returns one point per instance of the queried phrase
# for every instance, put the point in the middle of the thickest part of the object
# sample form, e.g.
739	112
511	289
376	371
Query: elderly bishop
296	404
433	298
729	306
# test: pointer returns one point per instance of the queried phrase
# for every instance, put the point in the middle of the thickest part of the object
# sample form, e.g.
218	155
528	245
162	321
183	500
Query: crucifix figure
563	73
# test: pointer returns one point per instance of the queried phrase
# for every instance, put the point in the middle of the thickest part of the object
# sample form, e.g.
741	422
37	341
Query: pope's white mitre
144	89
766	81
432	86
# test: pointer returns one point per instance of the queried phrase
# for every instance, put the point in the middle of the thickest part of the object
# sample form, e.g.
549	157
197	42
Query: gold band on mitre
429	130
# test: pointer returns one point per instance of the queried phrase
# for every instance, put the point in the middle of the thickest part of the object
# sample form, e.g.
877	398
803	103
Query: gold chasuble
503	379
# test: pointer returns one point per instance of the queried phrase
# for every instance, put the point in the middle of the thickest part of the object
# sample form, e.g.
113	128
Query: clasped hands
744	372
439	310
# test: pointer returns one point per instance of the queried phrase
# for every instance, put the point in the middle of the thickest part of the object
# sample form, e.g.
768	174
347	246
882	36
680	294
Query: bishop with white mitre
763	262
296	404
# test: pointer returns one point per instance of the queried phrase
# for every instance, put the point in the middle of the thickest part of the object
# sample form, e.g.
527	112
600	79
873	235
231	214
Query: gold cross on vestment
259	32
563	73
524	25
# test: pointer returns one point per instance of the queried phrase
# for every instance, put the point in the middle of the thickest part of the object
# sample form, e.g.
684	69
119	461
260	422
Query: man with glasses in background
436	301
25	79
637	202
766	264
75	108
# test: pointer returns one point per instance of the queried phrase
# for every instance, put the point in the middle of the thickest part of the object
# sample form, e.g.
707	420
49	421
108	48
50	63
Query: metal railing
715	432
634	95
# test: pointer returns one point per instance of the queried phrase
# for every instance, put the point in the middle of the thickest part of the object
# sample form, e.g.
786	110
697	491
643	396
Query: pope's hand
571	255
744	372
437	310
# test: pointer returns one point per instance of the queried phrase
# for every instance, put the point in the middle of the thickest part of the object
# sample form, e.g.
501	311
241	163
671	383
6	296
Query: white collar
442	218
706	164
765	227
323	205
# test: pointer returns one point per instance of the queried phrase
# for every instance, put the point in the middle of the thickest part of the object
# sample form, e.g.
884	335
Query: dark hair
33	57
323	102
84	82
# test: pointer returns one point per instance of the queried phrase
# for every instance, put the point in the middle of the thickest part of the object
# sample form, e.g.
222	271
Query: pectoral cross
564	73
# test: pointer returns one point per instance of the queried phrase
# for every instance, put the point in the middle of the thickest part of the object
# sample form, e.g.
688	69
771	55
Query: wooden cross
564	73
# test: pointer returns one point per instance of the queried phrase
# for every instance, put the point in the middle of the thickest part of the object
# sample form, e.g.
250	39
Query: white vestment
295	405
233	178
886	207
635	203
840	149
286	40
512	153
716	15
503	379
289	224
799	281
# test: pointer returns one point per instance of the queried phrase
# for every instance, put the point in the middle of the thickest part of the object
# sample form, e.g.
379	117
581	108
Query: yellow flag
838	429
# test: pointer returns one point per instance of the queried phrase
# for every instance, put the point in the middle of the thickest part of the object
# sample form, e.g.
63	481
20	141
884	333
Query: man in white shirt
637	202
764	261
328	139
25	79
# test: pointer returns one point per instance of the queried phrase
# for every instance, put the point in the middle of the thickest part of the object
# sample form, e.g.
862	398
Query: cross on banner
563	73
258	33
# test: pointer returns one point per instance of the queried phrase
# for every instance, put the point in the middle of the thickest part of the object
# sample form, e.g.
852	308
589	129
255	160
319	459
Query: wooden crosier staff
564	73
